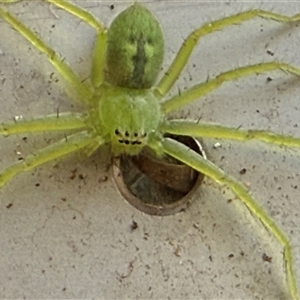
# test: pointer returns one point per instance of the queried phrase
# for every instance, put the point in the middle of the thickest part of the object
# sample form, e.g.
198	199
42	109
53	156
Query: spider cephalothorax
127	129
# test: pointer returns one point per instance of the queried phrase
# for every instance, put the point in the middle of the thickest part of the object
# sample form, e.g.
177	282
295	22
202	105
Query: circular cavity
158	186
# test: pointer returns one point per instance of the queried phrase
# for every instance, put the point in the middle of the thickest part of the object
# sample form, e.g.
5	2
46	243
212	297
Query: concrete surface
65	230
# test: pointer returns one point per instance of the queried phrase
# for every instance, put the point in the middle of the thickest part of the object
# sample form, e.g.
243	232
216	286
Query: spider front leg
66	146
195	161
188	45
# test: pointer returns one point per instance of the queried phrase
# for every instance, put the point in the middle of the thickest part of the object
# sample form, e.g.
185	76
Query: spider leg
194	160
193	128
82	88
79	12
63	147
190	42
55	122
204	88
98	63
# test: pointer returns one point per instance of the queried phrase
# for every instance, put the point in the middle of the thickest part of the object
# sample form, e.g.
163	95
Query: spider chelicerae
126	109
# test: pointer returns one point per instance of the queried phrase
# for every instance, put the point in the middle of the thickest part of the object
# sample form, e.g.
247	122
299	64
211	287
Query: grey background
72	238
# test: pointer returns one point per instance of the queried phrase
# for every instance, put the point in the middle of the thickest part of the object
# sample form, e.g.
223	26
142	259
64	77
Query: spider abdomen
135	48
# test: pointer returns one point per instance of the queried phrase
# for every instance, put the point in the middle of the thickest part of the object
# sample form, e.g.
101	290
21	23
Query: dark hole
158	186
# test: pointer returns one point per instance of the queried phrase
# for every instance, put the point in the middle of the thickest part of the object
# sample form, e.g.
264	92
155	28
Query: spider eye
127	138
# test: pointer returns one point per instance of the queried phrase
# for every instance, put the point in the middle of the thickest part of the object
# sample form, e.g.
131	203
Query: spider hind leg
82	89
191	41
97	72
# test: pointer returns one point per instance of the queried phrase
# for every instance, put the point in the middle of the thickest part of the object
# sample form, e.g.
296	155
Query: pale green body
125	110
128	109
135	49
127	129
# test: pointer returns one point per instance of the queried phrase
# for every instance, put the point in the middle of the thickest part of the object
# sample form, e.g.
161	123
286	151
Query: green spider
125	109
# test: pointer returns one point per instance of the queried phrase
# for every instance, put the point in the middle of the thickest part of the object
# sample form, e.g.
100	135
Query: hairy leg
66	146
81	88
98	63
194	160
55	122
204	88
193	128
188	45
